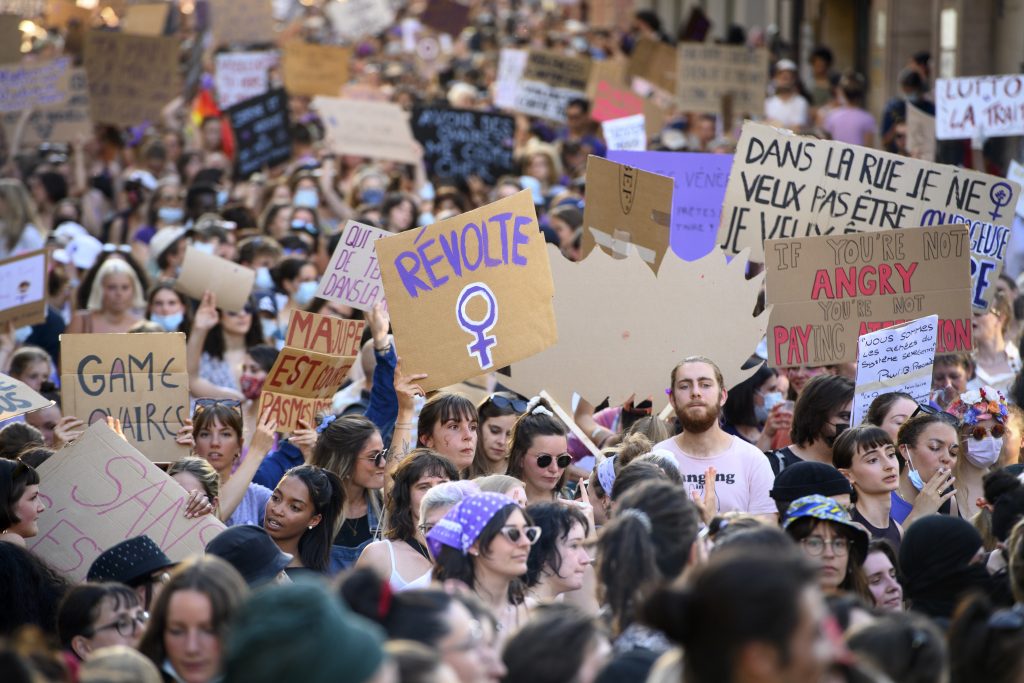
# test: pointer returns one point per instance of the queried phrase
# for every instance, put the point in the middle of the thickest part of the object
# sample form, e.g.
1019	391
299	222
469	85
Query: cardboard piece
363	92
920	134
655	62
458	143
611	71
230	282
311	70
23	294
707	73
142	379
354	19
241	22
893	359
570	423
10	39
100	491
784	185
131	78
60	13
626	134
614	14
23	8
827	291
148	19
446	16
547	83
56	123
989	106
28	86
378	130
469	294
353	275
261	130
699	182
626	206
239	76
612	102
633	351
318	354
18	398
1015	172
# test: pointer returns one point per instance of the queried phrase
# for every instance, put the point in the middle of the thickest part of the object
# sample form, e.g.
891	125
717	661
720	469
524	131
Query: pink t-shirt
743	481
850	125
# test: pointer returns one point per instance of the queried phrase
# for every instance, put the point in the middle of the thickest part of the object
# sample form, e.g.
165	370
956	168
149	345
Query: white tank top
398	583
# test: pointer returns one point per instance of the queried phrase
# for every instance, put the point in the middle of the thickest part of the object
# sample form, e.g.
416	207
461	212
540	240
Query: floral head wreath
973	404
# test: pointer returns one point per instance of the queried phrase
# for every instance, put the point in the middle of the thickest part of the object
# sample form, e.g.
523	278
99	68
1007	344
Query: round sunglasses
563	461
997	430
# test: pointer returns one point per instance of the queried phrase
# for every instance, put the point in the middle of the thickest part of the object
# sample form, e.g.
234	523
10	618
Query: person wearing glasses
929	442
485	542
983	414
495	417
403	552
832	540
20	504
301	515
538	452
95	615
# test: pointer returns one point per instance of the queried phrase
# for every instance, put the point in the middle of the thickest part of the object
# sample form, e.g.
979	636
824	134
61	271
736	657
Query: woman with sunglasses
930	444
95	615
403	552
496	416
983	413
20	504
484	542
216	348
301	515
538	452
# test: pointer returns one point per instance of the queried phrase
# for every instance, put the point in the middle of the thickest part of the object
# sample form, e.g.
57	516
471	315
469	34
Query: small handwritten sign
29	86
992	106
353	275
896	358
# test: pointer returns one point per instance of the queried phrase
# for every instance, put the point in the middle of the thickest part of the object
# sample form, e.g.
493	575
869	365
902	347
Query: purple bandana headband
606	474
461	526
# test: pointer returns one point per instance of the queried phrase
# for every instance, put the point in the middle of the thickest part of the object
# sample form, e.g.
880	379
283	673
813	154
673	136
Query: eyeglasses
816	546
425	528
513	534
997	430
503	402
928	409
563	461
206	403
379	458
126	625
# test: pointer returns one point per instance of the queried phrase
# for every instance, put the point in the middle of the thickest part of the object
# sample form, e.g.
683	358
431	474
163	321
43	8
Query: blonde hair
200	469
498	483
114	266
16	211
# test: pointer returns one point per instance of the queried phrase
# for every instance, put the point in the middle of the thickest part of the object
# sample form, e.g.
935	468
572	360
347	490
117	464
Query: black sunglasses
926	409
562	461
503	402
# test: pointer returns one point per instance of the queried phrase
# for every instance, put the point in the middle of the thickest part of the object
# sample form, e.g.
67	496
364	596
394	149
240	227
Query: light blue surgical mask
915	477
307	198
168	322
372	196
263	278
305	293
170	214
204	247
269	328
22	334
222	197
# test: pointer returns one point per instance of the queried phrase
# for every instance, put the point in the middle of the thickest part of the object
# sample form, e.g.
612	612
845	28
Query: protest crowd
457	341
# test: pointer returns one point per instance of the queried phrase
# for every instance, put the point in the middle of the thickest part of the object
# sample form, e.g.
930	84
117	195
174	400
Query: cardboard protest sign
610	13
131	78
626	206
55	123
353	275
230	282
920	134
895	358
260	126
1015	172
10	39
354	19
471	293
23	294
636	337
656	62
378	130
446	16
28	86
706	73
699	182
18	398
239	76
548	82
511	66
826	291
100	491
145	19
615	103
316	359
60	13
23	8
611	71
311	70
628	133
784	185
574	428
141	379
241	22
458	143
990	106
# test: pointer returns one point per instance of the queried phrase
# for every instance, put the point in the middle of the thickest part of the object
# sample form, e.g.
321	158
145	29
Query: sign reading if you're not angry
470	294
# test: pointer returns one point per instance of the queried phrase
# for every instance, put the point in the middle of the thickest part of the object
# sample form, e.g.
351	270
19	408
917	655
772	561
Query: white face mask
985	453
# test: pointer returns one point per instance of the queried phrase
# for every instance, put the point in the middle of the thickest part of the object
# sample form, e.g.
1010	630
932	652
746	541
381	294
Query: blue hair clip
324	423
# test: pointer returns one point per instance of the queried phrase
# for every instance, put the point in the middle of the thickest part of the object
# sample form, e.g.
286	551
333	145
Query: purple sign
699	191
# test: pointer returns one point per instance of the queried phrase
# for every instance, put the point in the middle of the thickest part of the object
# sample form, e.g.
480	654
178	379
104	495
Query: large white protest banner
990	106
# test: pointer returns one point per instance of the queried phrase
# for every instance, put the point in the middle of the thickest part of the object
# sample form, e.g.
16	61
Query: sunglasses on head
205	403
503	402
926	409
513	534
562	461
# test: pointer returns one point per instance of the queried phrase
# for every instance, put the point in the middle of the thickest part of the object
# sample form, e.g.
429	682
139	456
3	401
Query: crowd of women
751	533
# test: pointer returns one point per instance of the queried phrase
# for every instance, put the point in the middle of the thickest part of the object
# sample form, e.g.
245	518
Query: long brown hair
420	463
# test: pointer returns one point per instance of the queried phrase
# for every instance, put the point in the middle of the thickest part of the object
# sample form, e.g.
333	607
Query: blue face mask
307	198
305	293
298	224
263	278
170	214
204	247
22	334
168	322
372	196
269	328
222	197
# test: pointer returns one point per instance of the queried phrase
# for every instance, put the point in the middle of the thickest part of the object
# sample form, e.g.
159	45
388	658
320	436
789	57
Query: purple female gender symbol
480	347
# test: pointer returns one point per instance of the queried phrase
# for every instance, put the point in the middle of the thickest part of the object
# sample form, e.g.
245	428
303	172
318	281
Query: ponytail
326	494
627	566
